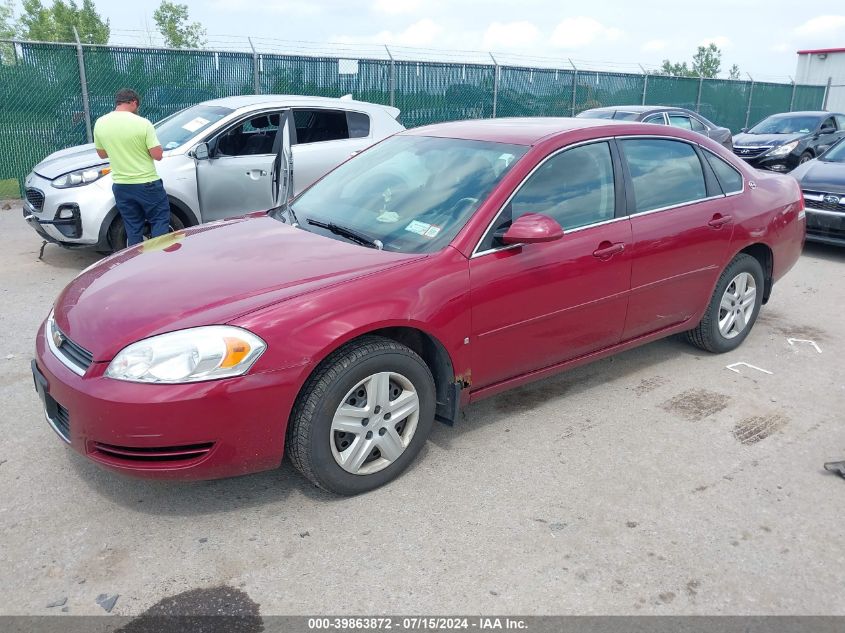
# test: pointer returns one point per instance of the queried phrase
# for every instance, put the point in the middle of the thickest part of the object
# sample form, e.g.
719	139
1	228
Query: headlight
783	150
80	177
203	353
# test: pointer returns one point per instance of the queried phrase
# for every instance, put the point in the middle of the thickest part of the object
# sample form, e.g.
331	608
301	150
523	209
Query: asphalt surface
656	482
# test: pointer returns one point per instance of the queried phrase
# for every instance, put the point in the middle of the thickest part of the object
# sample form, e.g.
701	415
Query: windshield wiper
346	232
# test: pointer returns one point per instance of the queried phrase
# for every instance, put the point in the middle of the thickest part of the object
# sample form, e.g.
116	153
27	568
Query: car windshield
412	194
177	129
835	154
786	125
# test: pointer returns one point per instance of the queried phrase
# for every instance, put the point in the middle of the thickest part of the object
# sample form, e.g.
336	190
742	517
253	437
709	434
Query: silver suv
222	158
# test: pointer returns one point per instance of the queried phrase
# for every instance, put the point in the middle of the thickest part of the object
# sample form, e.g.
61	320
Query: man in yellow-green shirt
129	142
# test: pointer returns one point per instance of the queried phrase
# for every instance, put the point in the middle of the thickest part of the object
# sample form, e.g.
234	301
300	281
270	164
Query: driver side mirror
532	228
201	151
743	130
827	130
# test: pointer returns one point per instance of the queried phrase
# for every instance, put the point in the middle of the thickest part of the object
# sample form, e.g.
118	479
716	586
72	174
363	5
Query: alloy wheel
737	305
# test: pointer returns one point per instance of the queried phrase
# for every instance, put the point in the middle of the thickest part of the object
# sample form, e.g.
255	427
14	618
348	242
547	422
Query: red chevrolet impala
443	265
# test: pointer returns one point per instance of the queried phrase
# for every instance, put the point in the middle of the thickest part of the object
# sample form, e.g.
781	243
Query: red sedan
445	264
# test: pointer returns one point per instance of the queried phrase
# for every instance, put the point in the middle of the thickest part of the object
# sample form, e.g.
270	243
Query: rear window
595	114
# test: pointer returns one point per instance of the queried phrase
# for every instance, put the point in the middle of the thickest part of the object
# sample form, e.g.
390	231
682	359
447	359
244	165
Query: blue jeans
142	204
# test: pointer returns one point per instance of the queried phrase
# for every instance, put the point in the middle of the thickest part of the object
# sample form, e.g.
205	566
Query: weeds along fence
50	94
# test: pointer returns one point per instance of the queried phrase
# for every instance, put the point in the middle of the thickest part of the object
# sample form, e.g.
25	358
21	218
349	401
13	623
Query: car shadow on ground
56	256
827	252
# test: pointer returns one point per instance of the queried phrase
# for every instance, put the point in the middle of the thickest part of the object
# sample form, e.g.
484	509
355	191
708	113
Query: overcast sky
761	36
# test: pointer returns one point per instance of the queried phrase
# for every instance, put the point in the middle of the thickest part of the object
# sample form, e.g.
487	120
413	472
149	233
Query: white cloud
582	31
397	7
822	25
655	45
288	7
422	33
720	41
511	35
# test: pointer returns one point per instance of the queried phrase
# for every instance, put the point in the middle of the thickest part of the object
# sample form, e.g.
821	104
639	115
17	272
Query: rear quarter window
729	178
359	124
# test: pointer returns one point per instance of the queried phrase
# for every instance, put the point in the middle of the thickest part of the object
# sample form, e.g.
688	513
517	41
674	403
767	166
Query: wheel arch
763	254
177	206
428	347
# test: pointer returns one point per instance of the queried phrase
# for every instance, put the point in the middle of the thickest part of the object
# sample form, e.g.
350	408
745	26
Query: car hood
752	140
206	275
67	160
818	175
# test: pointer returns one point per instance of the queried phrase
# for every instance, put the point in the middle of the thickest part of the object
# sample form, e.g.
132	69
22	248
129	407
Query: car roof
246	101
632	108
818	113
517	131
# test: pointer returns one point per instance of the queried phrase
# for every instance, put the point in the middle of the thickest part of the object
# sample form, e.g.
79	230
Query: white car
222	158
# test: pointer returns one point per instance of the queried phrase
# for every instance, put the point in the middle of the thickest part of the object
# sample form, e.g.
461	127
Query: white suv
222	158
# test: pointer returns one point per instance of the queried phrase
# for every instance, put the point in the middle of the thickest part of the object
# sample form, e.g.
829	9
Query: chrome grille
825	201
73	356
35	199
749	152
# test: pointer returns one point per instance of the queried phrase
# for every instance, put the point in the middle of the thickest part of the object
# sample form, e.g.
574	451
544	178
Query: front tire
805	157
362	416
117	232
733	308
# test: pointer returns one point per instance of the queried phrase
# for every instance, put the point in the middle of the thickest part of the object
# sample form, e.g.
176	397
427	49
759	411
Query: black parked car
823	183
662	115
781	142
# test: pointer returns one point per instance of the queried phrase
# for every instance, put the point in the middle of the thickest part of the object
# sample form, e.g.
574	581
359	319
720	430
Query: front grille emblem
828	199
58	339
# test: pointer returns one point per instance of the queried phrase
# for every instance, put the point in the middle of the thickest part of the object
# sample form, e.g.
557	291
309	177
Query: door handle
719	221
256	173
606	252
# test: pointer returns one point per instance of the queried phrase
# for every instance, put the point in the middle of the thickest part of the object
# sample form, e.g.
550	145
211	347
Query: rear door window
657	119
664	173
315	126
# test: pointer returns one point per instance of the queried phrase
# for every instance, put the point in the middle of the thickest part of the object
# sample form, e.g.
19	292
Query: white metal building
824	66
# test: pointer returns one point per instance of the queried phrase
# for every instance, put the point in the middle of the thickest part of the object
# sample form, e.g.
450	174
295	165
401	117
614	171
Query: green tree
7	30
56	23
171	19
707	63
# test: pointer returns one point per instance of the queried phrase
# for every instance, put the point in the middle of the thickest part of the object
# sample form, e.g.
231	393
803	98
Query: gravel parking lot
655	482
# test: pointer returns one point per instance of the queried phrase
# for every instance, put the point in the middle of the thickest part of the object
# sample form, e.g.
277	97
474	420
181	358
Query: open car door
283	165
244	168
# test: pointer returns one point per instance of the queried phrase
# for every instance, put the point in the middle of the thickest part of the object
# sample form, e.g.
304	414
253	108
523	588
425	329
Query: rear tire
117	232
341	435
733	308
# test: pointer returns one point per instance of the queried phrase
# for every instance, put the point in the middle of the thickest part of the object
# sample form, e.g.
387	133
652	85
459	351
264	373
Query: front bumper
779	164
205	430
87	208
827	227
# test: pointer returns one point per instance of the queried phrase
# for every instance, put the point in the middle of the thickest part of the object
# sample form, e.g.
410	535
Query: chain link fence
50	94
